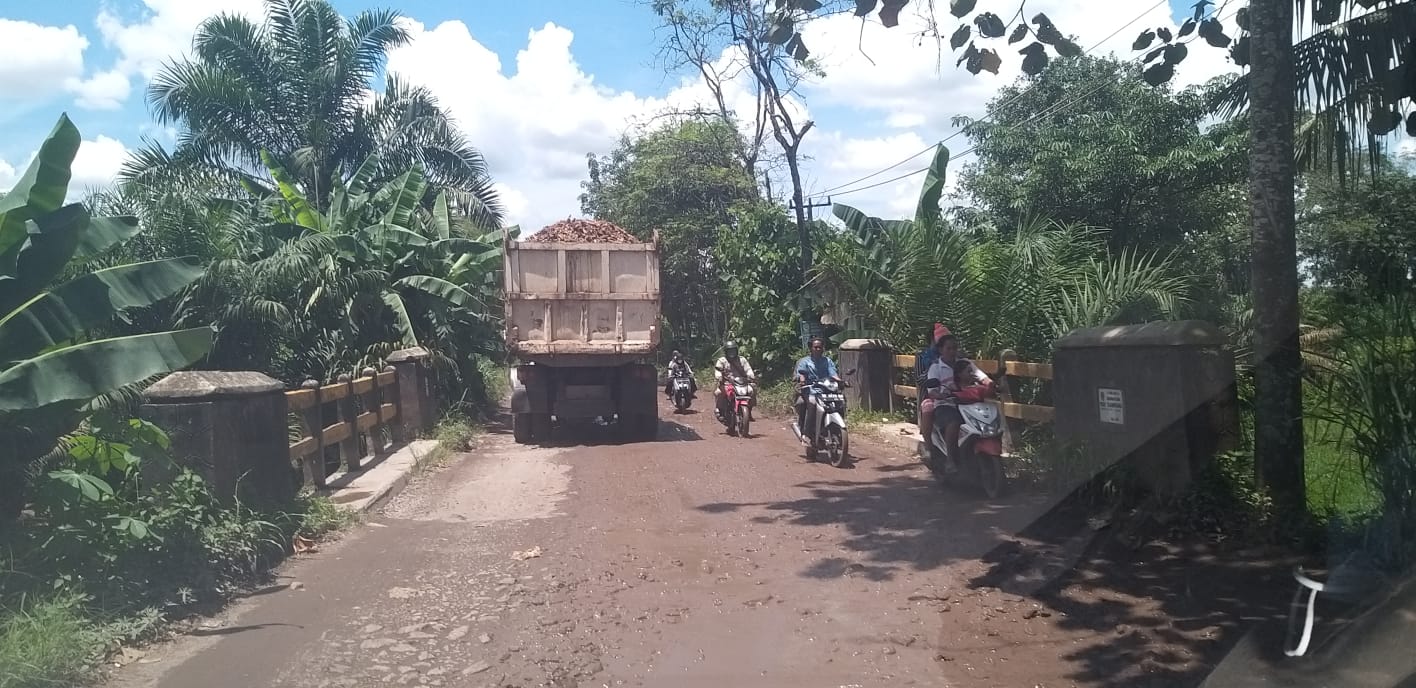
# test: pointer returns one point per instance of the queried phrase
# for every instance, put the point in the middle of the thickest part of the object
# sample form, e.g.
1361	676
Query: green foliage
105	525
683	180
316	293
1018	291
49	364
118	539
1359	234
294	87
1125	157
757	263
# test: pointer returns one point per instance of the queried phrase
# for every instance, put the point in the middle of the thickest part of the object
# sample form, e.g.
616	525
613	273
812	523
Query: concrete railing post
229	427
415	400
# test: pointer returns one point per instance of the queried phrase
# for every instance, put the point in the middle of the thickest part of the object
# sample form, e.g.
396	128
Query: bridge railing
243	431
344	420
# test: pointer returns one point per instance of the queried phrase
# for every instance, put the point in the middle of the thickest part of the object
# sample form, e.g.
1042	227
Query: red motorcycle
738	391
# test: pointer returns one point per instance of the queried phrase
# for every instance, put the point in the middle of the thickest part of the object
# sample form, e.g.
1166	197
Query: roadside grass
46	641
319	516
454	433
1336	483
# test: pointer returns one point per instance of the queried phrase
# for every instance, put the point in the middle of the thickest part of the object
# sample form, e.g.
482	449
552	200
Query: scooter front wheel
836	448
991	476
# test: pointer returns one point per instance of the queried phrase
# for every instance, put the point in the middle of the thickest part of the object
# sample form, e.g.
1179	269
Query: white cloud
37	61
163	31
103	91
513	202
534	125
96	165
8	175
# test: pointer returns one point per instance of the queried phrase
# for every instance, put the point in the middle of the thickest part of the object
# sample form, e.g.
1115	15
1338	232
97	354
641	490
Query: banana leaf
442	289
43	186
88	301
85	371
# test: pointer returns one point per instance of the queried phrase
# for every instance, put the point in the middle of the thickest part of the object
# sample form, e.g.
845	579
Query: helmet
730	349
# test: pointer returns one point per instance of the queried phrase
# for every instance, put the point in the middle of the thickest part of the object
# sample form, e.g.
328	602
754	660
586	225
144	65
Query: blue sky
557	79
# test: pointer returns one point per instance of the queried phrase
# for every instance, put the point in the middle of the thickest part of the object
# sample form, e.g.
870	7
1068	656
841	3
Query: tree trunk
1278	385
799	205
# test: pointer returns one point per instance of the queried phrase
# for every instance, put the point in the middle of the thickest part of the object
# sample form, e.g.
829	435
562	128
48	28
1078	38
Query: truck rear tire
521	428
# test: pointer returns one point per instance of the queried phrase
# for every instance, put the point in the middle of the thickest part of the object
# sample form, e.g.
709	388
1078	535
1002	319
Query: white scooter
826	422
682	393
979	454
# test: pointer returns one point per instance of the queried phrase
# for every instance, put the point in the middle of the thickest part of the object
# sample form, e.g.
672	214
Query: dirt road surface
705	560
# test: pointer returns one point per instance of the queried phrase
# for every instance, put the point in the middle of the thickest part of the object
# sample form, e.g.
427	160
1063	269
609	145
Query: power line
1005	103
1051	109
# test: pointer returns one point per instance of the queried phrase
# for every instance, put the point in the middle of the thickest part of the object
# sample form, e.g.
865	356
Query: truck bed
566	299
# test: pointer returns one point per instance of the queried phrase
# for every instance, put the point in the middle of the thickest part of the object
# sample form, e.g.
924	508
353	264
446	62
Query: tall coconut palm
299	86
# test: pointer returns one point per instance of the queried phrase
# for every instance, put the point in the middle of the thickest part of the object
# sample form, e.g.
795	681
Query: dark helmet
730	349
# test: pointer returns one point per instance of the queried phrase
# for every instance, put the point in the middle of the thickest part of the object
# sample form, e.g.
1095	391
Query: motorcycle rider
952	372
732	361
678	367
926	361
812	368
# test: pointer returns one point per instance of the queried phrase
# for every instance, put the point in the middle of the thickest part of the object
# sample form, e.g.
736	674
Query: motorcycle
826	422
682	393
979	454
738	391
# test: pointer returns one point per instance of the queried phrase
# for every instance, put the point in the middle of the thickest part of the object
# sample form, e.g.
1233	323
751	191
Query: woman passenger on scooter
925	419
953	373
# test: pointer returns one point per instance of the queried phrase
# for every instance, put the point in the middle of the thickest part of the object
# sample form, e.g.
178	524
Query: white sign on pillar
1111	407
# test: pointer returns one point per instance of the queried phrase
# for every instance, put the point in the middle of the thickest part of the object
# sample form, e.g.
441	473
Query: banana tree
49	369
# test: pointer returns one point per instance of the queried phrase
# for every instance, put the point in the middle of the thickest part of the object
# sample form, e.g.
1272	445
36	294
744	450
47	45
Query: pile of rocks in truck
581	231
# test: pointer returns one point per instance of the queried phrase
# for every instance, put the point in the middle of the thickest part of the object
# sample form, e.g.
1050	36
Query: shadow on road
1152	612
893	523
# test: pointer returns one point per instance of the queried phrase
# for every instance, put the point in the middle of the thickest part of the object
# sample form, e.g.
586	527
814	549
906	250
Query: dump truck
582	320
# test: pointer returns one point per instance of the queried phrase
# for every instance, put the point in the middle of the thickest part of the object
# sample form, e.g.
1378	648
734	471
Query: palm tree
1278	362
298	86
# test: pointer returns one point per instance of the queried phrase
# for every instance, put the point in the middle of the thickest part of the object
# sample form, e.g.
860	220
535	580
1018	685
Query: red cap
939	331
